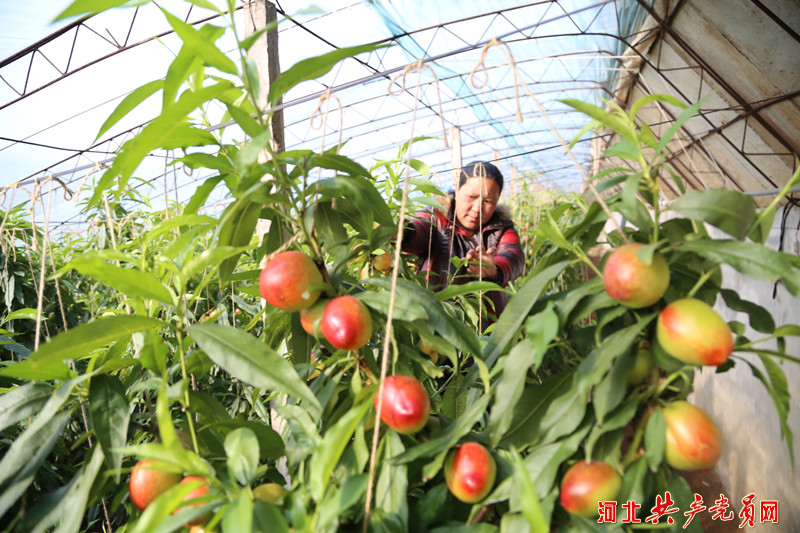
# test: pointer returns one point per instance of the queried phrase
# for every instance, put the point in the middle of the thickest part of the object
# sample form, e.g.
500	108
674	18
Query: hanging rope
418	66
517	82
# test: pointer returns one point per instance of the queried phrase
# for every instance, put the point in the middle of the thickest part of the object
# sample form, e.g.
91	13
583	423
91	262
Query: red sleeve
418	234
509	257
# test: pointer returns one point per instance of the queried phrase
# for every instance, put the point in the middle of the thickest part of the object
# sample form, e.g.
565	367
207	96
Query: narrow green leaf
687	113
239	515
350	493
526	355
760	319
391	489
82	340
22	402
447	438
778	389
110	414
655	439
610	120
85	7
252	361
313	68
249	125
326	455
766	217
787	330
471	287
236	229
517	310
532	509
644	100
179	221
77	496
208	259
23	458
749	258
526	424
130	281
186	136
129	103
197	41
731	211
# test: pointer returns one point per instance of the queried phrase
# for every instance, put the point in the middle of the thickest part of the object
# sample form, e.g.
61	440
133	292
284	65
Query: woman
475	229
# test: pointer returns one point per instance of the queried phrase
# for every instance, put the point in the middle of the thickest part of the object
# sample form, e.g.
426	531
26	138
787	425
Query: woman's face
476	201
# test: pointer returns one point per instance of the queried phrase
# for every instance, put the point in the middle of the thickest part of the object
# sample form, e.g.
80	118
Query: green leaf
391	489
787	330
749	258
327	453
201	45
471	287
760	319
346	496
24	401
313	68
23	458
532	508
619	418
526	424
186	136
252	361
241	447
67	500
245	120
766	217
130	281
85	7
526	355
608	394
179	221
208	259
687	113
239	515
151	137
778	389
517	311
268	518
110	414
450	329
730	211
442	442
644	100
82	340
236	229
203	191
130	102
655	439
624	149
614	122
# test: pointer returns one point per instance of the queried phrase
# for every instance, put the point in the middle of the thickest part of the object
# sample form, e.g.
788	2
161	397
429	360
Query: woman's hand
480	263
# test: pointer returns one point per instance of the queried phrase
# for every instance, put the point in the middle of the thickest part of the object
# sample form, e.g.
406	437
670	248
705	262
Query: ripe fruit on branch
383	262
586	484
691	331
693	439
406	406
469	472
146	483
310	316
199	492
631	282
286	278
268	492
346	323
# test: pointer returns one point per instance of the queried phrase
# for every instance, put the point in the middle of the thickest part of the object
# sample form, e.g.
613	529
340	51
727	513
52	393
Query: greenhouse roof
496	70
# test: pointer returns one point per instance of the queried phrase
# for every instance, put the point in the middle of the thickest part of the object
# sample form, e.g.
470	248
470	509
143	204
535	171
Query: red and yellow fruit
382	262
405	404
346	323
268	492
286	280
692	332
631	282
199	492
586	484
427	350
469	472
693	439
147	483
310	317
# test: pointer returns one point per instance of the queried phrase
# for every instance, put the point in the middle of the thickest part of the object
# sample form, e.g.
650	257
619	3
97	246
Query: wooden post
455	154
259	14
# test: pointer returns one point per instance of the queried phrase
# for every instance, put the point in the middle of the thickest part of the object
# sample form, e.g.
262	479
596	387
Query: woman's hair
479	169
